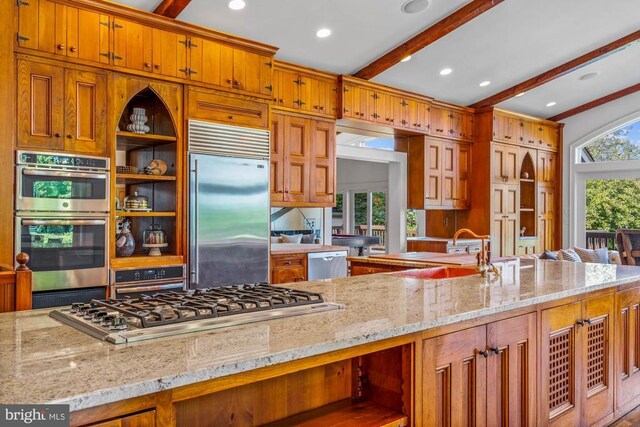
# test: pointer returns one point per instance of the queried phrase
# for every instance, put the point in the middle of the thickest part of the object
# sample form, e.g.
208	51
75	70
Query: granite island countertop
44	361
417	259
298	248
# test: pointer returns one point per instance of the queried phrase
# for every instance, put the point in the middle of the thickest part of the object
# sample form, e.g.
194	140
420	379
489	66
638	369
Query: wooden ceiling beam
596	103
171	8
561	70
436	31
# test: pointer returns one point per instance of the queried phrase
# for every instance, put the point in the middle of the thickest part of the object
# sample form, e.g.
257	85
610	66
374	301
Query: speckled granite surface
45	361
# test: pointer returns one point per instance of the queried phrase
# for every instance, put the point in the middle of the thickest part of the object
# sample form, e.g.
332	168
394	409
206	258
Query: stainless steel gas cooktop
170	313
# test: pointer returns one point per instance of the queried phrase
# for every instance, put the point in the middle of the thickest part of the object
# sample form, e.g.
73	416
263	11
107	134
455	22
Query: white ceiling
514	41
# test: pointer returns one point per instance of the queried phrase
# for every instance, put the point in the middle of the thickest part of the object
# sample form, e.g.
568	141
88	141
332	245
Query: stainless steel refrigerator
229	205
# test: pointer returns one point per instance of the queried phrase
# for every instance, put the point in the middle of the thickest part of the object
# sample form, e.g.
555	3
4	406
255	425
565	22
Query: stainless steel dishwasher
327	265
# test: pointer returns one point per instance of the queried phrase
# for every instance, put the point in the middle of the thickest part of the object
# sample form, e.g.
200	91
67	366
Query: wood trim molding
559	71
435	32
596	102
171	8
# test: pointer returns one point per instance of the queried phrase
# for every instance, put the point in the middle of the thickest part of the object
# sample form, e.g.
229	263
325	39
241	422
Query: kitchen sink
438	272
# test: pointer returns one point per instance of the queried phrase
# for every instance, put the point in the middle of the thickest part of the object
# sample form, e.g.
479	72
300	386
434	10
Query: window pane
613	204
623	144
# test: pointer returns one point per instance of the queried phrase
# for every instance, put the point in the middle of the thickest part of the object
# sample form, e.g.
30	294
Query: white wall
583	128
352	173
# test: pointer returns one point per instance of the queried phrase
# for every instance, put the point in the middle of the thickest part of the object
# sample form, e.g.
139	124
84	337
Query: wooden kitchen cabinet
133	45
480	376
438	173
450	123
63	30
577	362
288	268
304	90
169	53
85	112
61	108
546	218
627	357
505	224
303	161
546	168
505	163
233	109
323	162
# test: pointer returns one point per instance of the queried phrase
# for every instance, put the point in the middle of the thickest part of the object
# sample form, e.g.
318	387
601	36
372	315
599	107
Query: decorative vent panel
560	369
597	354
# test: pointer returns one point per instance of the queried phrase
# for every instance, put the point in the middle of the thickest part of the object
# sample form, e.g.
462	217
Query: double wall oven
62	220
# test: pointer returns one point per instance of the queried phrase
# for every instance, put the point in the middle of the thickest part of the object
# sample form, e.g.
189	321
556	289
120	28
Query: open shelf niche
528	206
138	150
370	390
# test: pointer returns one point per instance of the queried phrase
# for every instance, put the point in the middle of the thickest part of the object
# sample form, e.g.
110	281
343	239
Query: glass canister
154	238
136	202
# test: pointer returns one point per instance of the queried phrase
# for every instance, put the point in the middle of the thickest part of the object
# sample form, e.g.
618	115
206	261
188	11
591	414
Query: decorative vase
524	175
125	243
138	120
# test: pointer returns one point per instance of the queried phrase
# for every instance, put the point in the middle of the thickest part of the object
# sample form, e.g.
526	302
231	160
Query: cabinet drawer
225	109
288	275
456	249
474	249
286	261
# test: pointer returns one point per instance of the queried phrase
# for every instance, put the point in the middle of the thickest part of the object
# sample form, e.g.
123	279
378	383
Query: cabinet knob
496	350
157	67
230	117
147	64
229	81
72	49
57	135
580	322
60	46
69	136
485	353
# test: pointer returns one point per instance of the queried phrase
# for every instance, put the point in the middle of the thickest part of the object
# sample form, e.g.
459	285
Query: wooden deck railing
597	239
15	286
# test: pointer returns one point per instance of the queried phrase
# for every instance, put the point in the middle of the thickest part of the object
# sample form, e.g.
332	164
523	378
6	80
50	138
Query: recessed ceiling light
485	83
415	6
446	71
406	58
588	76
323	32
551	104
236	4
520	94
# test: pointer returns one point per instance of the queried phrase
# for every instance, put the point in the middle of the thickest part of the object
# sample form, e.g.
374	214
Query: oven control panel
62	160
147	274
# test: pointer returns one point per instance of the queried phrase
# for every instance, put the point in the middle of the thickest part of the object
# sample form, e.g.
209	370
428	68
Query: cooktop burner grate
175	307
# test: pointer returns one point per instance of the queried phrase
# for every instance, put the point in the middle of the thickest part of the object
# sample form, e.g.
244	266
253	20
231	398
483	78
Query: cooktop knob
97	316
75	306
106	320
88	314
119	324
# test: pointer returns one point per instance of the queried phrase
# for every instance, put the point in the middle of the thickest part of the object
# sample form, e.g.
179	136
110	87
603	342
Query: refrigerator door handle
194	237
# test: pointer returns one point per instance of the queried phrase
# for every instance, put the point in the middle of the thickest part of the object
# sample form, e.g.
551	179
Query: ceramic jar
125	243
138	120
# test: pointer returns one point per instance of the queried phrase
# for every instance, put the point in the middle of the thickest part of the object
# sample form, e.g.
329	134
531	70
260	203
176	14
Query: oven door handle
130	290
64	174
64	222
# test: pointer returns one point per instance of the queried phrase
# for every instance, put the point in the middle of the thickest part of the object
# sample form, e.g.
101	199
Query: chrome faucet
484	264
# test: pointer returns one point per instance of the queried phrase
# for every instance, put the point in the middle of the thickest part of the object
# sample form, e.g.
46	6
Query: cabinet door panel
40	105
439	121
86	110
297	157
288	89
561	366
323	161
348	102
93	38
28	18
304	93
47	20
449	160
454	379
627	364
381	115
433	175
597	348
169	53
462	176
132	45
467	127
511	373
277	158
